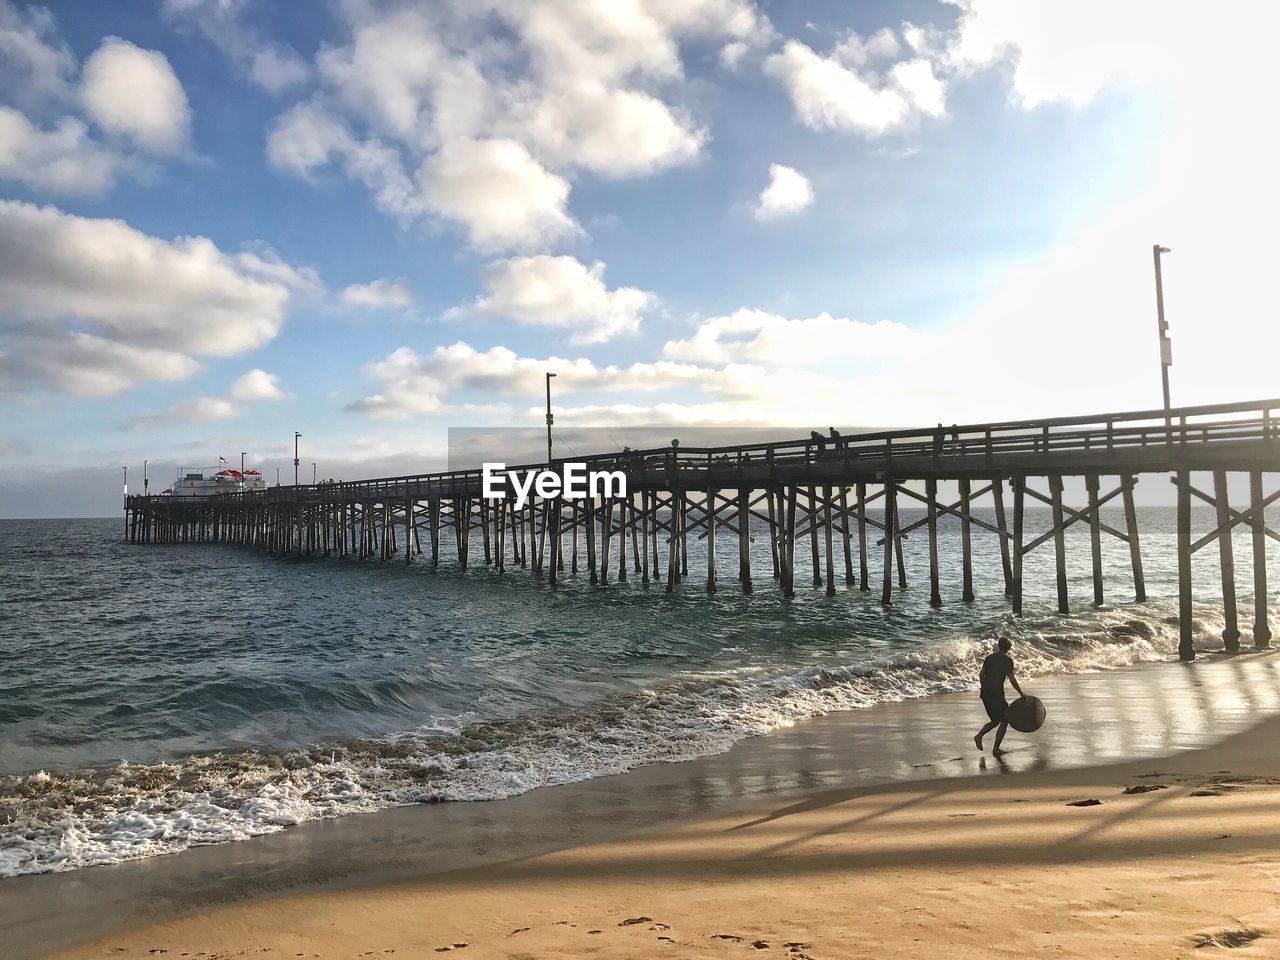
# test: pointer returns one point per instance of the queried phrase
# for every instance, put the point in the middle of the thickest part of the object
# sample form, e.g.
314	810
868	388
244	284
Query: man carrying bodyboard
995	669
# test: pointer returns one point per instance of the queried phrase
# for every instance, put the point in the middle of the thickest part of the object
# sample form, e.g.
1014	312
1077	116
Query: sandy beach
1178	851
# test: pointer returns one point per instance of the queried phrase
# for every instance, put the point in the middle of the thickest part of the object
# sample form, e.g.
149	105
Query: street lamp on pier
550	418
1166	351
296	435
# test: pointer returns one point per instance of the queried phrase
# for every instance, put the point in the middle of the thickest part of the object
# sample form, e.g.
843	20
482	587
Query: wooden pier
815	493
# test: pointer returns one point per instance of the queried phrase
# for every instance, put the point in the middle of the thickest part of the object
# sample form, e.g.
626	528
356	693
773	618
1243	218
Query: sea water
153	698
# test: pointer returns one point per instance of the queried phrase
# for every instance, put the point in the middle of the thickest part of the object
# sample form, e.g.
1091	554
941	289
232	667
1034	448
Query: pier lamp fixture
242	456
296	435
277	476
313	473
1166	349
550	418
145	481
126	503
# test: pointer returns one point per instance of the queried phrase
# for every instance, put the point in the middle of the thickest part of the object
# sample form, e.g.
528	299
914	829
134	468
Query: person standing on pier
995	670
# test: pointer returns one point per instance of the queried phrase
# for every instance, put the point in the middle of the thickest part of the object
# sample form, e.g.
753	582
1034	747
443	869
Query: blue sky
408	211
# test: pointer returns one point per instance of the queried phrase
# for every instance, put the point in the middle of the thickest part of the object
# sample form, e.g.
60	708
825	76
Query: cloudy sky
222	221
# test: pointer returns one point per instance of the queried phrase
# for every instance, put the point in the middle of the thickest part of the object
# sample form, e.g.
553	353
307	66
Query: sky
225	221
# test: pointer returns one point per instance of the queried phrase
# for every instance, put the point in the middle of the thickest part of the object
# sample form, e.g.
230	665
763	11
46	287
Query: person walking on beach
995	669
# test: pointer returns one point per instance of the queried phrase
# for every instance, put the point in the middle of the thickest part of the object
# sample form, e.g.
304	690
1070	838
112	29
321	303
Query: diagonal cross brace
1075	515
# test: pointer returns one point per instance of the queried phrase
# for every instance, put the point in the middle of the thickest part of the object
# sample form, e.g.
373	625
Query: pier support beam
1185	633
931	495
1059	543
1227	563
1095	537
1258	523
890	538
1019	504
966	542
1135	550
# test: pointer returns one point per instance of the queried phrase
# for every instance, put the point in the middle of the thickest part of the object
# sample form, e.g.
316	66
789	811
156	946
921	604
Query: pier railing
1143	438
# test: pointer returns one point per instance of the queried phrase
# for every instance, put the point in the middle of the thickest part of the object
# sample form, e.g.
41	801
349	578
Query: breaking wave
65	820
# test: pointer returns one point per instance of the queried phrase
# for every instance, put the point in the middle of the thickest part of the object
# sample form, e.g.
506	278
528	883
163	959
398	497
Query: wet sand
783	840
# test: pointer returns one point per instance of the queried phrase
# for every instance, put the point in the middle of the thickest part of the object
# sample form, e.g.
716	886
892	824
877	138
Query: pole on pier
890	529
1019	505
1261	628
931	496
1059	542
1095	537
1227	562
744	538
1135	549
1185	636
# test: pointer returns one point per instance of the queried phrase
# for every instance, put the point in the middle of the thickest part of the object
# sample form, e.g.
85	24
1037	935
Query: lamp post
296	435
277	476
550	418
145	481
126	503
1166	350
313	473
242	456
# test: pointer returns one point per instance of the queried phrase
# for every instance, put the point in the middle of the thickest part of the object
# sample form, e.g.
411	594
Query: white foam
64	821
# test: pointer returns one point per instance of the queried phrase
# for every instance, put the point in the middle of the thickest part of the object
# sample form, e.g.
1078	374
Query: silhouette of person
995	670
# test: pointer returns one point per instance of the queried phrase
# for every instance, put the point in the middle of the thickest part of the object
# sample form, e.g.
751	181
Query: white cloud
499	193
273	66
757	336
264	263
788	192
828	94
150	305
506	96
562	292
131	93
1071	52
256	386
135	93
35	64
378	294
415	385
63	160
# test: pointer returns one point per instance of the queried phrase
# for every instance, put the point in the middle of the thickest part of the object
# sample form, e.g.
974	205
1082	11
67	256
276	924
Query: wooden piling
931	496
1185	633
1226	562
1258	524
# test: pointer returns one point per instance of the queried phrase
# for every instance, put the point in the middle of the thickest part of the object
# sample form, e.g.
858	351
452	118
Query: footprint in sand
666	940
517	930
1145	788
1205	793
1090	802
659	926
760	944
595	931
726	936
634	920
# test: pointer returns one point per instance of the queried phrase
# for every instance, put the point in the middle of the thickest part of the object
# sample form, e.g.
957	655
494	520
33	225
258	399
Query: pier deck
819	488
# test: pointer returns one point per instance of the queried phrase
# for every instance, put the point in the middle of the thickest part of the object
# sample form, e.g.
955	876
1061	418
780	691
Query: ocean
155	698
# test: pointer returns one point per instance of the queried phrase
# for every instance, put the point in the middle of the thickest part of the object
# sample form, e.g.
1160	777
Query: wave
62	821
